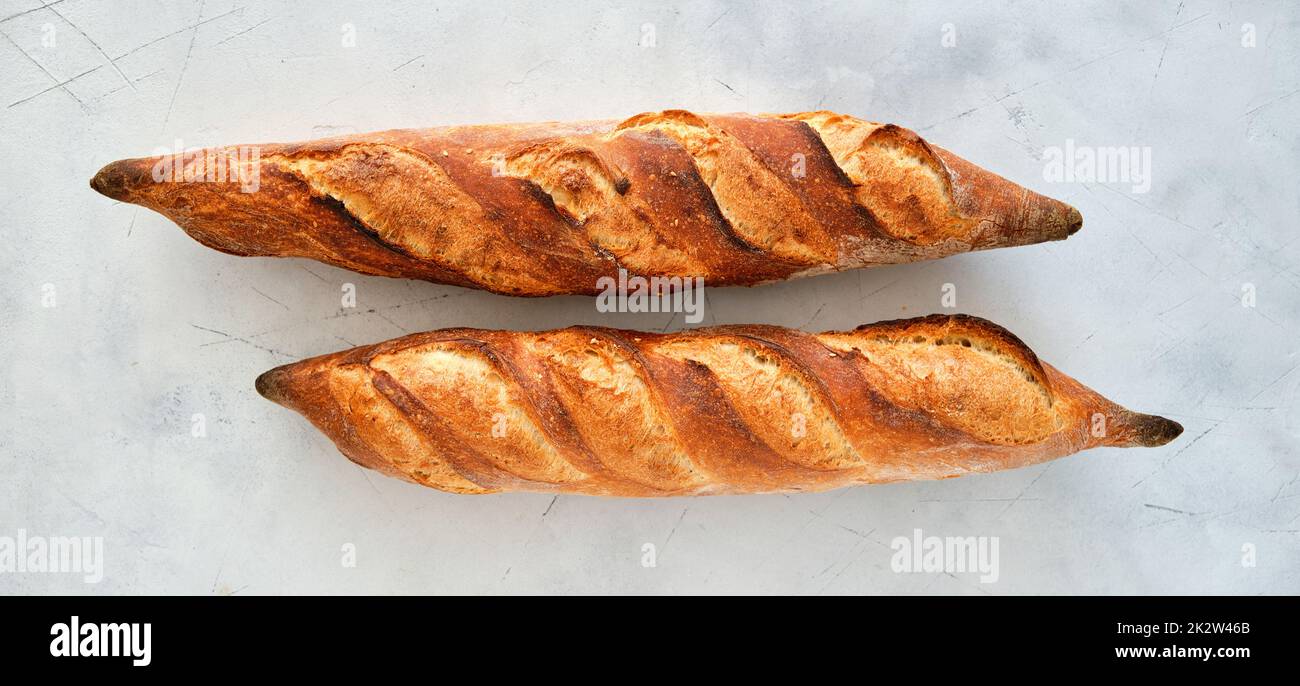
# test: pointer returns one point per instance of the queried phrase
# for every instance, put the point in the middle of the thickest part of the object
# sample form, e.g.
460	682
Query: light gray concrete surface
148	329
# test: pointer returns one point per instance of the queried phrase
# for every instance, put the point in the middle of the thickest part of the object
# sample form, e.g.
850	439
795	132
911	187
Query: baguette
551	208
724	410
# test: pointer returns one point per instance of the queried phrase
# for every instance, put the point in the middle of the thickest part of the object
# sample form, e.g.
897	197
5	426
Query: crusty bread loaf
733	409
542	209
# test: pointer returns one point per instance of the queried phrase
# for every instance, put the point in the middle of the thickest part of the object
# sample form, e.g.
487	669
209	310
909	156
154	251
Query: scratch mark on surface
958	579
669	323
179	31
314	274
843	492
815	315
34	9
1170	509
715	21
855	532
1163	50
237	35
277	302
96	45
1023	491
523	78
1270	102
111	91
45	71
1180	304
861	548
1180	341
83	508
245	341
366	476
1273	382
399	327
377	310
883	287
1180	451
674	529
1284	486
220	567
184	66
1151	209
60	84
407	62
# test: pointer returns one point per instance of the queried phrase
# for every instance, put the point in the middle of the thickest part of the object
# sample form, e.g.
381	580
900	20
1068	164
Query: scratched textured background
149	328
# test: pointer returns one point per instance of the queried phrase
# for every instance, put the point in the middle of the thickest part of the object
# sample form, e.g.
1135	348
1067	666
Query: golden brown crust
550	208
732	409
